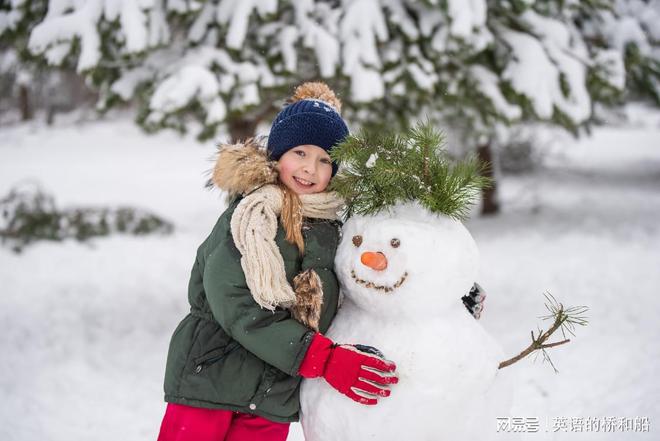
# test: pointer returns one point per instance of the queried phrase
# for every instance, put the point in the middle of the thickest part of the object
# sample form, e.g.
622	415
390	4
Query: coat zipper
200	366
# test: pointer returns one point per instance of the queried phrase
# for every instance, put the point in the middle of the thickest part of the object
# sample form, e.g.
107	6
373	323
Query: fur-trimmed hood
245	166
242	167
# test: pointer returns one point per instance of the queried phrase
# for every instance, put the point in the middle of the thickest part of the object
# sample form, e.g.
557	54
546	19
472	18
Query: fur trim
316	91
241	168
309	298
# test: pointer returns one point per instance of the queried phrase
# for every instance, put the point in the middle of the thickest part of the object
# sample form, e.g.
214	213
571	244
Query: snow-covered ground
84	328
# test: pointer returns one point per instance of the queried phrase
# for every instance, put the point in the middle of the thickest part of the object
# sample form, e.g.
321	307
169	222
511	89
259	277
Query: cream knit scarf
253	227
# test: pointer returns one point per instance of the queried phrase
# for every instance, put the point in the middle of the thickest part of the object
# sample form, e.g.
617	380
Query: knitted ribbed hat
311	117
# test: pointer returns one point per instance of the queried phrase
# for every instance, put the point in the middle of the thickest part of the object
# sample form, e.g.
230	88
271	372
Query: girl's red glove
361	376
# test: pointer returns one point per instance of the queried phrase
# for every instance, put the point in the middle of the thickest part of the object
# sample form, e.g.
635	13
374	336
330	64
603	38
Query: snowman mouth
384	288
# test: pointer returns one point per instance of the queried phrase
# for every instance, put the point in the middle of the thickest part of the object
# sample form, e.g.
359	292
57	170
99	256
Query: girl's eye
357	240
395	243
326	161
300	153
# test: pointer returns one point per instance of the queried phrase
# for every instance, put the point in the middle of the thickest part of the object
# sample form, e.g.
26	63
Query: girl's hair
292	218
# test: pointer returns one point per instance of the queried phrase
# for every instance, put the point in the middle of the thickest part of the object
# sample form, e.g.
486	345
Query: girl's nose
376	261
309	168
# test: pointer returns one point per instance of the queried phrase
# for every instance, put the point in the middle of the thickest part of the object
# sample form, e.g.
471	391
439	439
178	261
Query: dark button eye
357	240
395	243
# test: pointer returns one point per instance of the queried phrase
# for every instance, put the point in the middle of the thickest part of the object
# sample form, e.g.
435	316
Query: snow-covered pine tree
17	17
218	62
475	65
627	31
225	61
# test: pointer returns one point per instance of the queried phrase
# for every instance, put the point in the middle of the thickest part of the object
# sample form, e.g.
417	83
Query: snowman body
449	385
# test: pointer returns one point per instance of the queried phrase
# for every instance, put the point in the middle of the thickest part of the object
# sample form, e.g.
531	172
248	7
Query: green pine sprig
382	168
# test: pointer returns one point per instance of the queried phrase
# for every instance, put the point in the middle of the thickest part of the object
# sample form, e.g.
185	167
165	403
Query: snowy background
84	328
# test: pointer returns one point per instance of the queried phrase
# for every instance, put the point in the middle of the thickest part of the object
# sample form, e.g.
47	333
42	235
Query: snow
611	62
422	79
366	84
372	160
288	37
398	16
531	72
202	22
487	84
362	27
626	30
141	26
327	51
126	84
536	66
570	58
85	327
466	16
416	319
56	34
235	13
188	83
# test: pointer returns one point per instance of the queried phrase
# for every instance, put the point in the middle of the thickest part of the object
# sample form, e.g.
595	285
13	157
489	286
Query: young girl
236	360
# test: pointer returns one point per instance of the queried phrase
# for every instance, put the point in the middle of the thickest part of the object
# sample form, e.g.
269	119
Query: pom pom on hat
311	117
316	91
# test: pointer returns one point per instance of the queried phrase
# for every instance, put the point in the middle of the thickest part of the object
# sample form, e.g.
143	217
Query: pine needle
564	319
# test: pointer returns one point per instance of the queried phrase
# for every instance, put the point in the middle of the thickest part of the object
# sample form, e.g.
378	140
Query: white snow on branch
207	75
366	84
236	15
317	24
610	63
423	79
57	33
372	160
398	15
465	16
531	72
204	19
288	37
188	84
140	26
488	84
570	57
362	27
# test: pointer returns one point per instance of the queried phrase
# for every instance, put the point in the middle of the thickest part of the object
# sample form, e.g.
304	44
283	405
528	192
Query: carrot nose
376	261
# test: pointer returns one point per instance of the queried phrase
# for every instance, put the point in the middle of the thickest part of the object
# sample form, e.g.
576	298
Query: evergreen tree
474	65
17	69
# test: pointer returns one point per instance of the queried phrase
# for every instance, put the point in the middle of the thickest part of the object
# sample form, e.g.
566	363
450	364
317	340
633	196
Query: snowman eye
395	243
357	240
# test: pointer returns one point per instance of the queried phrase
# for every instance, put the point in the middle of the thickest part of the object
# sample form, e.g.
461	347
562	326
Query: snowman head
406	261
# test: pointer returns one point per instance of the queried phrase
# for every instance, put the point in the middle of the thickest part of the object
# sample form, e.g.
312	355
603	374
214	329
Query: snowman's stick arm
538	343
552	345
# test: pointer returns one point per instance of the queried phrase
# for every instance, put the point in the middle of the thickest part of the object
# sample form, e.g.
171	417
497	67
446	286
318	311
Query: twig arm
539	342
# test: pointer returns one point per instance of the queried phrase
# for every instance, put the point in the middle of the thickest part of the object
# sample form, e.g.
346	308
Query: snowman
402	272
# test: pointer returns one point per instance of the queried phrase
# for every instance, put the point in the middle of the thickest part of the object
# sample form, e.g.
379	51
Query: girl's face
305	169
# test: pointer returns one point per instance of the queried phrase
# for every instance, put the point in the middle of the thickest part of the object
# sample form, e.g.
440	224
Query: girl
236	360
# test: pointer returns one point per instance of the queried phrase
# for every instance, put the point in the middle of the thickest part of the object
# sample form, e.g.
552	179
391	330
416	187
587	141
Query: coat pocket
213	356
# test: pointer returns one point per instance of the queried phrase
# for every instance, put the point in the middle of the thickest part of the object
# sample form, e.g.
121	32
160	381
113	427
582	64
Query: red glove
358	375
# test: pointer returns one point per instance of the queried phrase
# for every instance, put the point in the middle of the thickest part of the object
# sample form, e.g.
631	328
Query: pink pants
185	423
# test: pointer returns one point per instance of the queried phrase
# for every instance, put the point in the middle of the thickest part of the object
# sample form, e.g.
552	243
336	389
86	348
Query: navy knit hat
313	118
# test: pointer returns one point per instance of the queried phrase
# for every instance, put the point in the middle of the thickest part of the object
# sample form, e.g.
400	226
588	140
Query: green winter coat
228	352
